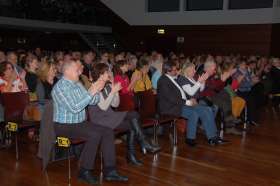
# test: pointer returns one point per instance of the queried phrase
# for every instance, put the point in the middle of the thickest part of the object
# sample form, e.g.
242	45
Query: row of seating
15	104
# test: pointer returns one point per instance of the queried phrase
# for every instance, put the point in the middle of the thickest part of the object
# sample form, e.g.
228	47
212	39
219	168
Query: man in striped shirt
70	99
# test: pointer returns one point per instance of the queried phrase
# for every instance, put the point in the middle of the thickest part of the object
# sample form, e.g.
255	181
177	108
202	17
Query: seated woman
141	74
9	80
232	84
248	89
47	76
126	92
103	114
31	78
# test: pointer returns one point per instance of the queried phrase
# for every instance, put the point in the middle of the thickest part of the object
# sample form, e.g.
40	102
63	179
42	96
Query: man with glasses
173	101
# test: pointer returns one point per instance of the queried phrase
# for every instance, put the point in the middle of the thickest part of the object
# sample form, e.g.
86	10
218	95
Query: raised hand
203	78
240	78
116	87
96	87
225	76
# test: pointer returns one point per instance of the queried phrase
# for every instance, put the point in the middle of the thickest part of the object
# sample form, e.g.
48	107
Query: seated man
173	101
214	93
70	99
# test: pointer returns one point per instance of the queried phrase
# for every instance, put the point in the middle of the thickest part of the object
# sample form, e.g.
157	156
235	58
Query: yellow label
12	127
63	142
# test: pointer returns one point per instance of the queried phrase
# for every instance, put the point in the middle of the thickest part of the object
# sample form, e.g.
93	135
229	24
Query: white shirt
184	97
191	90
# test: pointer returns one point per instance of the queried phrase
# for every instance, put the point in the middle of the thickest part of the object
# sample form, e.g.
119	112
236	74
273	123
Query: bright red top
124	81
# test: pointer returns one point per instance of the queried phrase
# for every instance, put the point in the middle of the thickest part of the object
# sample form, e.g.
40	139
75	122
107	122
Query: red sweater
212	87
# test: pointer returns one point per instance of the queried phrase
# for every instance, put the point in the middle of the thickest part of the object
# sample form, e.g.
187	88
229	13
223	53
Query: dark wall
14	39
275	40
220	39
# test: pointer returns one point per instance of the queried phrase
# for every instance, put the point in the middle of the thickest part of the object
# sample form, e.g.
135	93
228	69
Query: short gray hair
209	63
66	64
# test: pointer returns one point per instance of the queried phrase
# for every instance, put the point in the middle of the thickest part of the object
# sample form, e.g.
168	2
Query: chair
127	103
150	117
14	104
64	142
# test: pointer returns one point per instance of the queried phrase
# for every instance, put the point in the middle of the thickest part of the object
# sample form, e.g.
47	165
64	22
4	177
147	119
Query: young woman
126	92
47	76
103	114
141	73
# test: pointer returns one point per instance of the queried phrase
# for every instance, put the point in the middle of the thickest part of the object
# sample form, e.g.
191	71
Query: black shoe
190	142
147	147
114	176
253	123
217	141
87	177
221	141
233	131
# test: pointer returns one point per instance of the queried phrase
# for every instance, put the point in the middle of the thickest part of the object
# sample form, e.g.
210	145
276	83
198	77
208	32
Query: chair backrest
127	103
14	104
147	104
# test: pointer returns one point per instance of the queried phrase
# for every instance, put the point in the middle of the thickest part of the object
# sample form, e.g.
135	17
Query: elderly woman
103	114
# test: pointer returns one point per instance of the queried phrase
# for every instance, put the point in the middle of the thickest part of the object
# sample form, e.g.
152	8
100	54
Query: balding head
71	70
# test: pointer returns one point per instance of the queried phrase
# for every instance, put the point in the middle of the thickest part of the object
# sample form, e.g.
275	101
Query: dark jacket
47	135
169	97
275	76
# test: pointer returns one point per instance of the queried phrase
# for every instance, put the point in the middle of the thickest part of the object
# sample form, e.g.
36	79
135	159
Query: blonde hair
44	69
185	66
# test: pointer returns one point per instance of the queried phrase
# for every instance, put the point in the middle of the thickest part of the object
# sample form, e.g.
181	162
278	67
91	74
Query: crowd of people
198	88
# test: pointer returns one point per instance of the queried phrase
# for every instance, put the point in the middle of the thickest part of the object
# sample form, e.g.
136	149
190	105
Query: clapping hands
116	87
203	78
96	87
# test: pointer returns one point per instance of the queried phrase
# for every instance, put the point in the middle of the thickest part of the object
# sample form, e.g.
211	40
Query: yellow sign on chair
12	127
63	142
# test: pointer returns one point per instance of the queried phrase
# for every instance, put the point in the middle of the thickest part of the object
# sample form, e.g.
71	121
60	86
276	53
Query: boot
145	145
131	158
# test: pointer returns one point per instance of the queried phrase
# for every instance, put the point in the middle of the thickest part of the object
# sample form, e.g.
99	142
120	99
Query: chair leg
222	125
155	133
245	118
174	133
16	141
69	167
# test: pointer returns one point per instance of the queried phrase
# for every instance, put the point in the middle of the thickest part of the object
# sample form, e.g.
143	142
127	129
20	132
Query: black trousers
223	101
93	135
254	100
